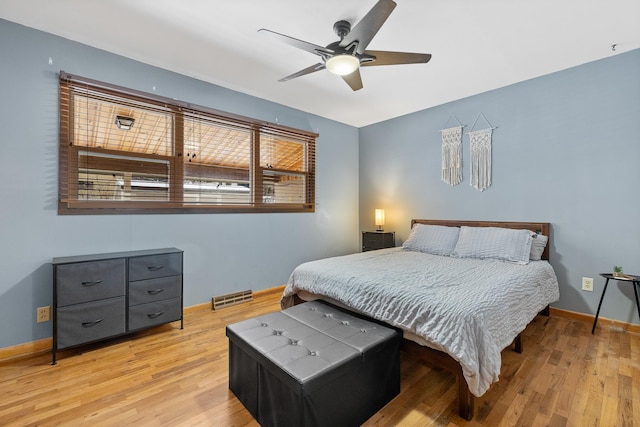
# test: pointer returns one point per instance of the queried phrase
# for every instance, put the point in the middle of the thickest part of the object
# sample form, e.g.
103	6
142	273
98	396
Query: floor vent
222	301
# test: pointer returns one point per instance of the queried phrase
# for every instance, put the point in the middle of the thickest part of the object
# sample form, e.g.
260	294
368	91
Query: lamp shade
379	218
342	64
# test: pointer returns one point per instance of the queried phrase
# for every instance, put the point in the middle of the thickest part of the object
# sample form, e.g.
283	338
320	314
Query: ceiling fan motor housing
342	28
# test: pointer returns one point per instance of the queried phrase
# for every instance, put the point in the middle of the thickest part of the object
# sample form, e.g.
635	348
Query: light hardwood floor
173	377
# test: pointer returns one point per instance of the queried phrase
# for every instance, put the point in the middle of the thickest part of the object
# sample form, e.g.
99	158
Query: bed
461	290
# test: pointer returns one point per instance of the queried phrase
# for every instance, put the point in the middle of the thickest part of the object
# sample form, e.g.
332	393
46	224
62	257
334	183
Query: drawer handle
90	324
92	283
154	315
154	291
155	267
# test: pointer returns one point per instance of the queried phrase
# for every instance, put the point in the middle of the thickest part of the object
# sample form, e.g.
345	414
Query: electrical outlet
43	314
587	284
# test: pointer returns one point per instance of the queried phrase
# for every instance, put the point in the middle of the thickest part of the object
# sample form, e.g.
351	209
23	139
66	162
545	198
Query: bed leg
466	400
517	343
545	311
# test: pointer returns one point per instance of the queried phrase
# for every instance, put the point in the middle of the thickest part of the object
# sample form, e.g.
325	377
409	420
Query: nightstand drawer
89	281
145	291
91	321
155	313
152	266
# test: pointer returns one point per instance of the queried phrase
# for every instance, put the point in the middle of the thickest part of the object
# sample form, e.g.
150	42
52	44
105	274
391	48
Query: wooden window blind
124	151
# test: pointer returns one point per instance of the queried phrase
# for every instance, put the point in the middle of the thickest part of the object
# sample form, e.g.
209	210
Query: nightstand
372	240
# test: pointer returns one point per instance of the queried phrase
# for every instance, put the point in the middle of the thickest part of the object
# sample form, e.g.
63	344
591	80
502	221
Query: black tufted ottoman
313	365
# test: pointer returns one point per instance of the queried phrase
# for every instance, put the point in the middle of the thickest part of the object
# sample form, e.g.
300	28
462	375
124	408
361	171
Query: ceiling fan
345	57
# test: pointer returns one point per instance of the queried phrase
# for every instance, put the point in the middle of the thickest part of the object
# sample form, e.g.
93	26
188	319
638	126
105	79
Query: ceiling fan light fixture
342	65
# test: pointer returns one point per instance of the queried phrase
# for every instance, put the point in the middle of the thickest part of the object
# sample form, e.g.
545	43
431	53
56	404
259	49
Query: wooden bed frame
466	400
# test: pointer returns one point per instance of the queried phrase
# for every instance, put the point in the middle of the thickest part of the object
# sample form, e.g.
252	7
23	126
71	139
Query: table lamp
379	219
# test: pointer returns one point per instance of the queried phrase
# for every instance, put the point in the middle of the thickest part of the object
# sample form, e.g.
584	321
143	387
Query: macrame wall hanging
452	153
480	148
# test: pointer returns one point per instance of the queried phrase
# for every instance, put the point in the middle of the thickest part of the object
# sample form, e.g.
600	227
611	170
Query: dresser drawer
152	266
88	281
145	291
91	321
154	313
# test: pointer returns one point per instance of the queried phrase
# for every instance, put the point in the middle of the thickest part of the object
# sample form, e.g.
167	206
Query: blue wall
223	252
566	151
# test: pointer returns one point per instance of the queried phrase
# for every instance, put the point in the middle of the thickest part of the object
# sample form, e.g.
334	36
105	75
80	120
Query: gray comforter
469	308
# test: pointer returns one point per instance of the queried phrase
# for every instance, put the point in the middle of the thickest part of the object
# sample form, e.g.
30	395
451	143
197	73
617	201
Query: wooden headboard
538	227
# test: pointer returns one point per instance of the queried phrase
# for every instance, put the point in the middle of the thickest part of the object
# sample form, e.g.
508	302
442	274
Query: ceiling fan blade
393	58
354	80
300	44
312	69
368	27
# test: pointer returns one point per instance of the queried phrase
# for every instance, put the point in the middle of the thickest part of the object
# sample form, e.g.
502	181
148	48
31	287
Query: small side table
373	240
635	282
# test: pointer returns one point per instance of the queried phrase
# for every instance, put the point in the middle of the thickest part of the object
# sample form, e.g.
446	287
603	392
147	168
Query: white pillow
538	244
432	239
494	243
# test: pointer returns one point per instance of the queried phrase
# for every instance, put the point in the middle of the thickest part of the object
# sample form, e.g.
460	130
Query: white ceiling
476	45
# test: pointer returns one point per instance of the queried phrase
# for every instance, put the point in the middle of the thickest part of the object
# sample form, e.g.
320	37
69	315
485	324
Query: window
123	151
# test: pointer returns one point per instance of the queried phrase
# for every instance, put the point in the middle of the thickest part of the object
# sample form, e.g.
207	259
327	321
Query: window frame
69	203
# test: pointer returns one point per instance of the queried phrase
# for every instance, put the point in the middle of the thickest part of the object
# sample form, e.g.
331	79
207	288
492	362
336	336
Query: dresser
373	240
102	296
